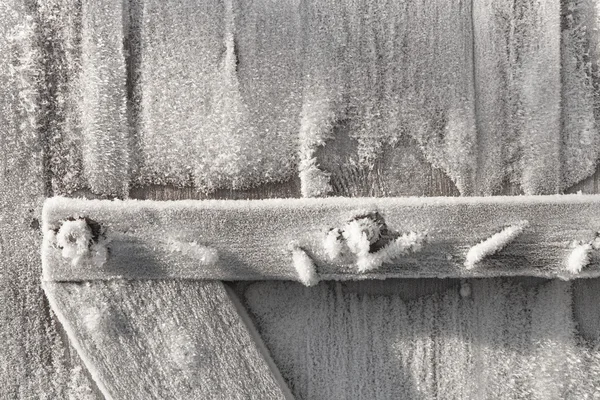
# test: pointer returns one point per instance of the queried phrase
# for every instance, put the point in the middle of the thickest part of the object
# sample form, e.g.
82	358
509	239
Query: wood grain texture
289	189
401	170
252	238
34	353
164	340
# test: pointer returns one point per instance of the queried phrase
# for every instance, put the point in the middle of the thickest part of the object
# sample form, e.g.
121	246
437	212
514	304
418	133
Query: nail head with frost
363	231
79	239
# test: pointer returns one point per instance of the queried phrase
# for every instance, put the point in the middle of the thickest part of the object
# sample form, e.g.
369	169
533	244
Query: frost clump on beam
367	237
581	255
334	243
407	243
305	266
79	242
579	258
361	233
494	244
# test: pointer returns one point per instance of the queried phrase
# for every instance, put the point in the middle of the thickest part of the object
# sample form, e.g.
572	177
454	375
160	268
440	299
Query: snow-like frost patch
411	242
78	243
204	254
305	267
493	244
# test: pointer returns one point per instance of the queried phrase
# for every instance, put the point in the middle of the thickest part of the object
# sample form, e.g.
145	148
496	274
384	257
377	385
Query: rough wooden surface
401	170
250	237
426	181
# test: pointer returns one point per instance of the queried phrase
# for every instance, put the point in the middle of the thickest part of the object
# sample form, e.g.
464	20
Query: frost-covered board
504	339
239	95
314	239
167	339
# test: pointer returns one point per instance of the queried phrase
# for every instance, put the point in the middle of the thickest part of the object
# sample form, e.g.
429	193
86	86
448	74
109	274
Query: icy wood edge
258	342
53	267
74	339
67	323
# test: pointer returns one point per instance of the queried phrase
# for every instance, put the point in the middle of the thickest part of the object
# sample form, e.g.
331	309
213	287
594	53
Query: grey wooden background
35	349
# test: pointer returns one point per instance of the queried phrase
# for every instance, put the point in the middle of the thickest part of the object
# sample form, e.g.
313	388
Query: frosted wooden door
147	99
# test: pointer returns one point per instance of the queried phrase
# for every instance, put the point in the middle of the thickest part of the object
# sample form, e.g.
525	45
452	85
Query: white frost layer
203	254
579	258
539	94
34	355
162	340
105	133
59	25
579	50
408	243
75	240
427	346
251	236
228	95
305	267
385	70
254	91
494	244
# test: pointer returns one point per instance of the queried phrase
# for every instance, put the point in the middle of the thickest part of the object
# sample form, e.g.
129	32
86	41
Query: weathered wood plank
103	103
164	339
252	238
34	361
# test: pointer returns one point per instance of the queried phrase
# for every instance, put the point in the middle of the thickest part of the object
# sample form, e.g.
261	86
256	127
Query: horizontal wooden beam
269	239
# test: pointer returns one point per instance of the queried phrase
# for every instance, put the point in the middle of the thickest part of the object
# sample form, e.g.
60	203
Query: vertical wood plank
33	360
580	49
518	87
397	83
105	144
60	36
